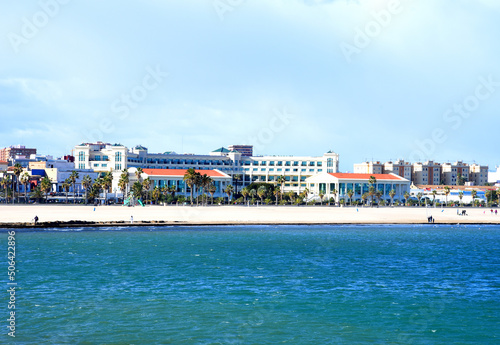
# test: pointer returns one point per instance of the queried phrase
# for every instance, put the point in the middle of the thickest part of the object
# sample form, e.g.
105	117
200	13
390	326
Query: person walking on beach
131	219
35	219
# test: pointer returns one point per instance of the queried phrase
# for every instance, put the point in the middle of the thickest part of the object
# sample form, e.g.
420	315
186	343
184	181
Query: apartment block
451	171
400	168
369	168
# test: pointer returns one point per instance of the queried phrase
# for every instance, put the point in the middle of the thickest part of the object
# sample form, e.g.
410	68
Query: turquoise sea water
257	285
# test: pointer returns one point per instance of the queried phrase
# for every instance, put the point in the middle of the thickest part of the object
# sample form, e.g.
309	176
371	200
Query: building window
81	156
118	156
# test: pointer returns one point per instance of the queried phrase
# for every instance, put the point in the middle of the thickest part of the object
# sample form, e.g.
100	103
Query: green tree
446	193
190	177
321	195
73	177
261	192
474	195
66	186
46	186
236	179
123	183
392	194
37	194
371	194
350	193
138	174
146	184
212	189
281	181
434	193
364	197
137	189
406	196
334	193
86	184
229	191
460	196
419	197
156	194
18	169
276	193
25	180
107	182
245	193
5	182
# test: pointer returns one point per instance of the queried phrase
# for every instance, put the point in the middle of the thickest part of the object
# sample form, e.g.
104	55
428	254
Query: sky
368	79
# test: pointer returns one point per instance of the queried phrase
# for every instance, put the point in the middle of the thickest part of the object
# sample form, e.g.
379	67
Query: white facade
341	183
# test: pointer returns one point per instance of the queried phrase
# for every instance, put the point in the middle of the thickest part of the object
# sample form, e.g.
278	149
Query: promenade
76	215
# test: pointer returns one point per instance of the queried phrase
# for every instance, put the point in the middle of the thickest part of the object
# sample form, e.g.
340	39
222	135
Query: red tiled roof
180	172
351	176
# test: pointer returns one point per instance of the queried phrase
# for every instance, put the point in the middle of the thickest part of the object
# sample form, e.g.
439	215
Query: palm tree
46	186
446	192
364	197
245	193
460	196
498	195
350	193
206	182
276	192
138	173
37	194
156	194
123	184
107	182
378	195
406	196
190	178
261	192
281	181
334	193
392	194
86	184
73	177
434	193
229	190
137	189
419	197
25	179
146	184
212	189
173	190
291	196
5	182
236	178
252	194
371	193
66	185
18	169
473	194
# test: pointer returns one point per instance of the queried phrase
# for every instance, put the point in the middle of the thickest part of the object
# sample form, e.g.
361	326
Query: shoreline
72	216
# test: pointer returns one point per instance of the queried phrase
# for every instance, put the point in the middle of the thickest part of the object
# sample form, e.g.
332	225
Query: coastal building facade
242	169
429	172
337	185
172	178
14	151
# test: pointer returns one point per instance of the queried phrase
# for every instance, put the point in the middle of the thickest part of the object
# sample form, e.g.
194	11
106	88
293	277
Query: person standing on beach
35	219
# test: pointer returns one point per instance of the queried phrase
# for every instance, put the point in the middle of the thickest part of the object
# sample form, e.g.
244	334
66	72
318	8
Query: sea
325	284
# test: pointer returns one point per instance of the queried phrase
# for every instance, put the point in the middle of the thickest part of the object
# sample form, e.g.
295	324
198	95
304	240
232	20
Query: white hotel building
103	157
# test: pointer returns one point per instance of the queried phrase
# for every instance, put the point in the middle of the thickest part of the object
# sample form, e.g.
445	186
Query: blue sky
368	79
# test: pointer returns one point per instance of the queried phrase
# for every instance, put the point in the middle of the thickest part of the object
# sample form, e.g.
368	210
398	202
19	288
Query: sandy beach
75	215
